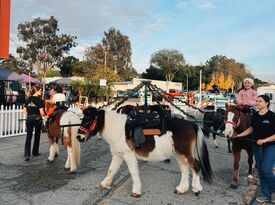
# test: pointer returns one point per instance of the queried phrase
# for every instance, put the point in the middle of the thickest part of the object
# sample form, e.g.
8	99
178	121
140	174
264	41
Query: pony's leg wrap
52	152
114	166
196	184
184	182
132	164
67	164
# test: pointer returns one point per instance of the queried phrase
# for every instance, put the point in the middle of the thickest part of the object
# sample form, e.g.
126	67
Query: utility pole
105	60
200	83
187	83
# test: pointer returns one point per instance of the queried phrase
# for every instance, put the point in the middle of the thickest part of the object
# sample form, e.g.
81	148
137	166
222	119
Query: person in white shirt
59	97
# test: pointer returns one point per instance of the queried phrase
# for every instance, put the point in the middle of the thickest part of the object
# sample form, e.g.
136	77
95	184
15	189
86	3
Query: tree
66	66
114	52
222	81
43	47
83	68
153	73
102	73
14	64
221	64
170	61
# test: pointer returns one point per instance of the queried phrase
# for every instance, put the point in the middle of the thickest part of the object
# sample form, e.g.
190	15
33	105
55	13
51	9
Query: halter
92	127
234	124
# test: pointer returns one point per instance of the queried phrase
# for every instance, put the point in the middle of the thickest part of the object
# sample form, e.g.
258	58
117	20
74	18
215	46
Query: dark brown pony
236	122
182	139
69	133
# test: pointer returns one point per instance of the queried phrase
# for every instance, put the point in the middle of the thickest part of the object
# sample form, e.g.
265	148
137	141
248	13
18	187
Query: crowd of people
262	127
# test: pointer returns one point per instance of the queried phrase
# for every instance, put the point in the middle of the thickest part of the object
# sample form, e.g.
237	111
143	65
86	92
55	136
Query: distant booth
270	91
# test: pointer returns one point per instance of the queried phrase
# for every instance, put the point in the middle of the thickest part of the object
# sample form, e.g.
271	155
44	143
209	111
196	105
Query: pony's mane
232	108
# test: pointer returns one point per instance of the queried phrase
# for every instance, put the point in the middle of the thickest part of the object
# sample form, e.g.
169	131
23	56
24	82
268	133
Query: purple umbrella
6	74
28	79
62	81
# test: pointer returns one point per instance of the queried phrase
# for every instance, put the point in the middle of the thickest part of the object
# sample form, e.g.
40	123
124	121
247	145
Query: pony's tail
75	147
203	157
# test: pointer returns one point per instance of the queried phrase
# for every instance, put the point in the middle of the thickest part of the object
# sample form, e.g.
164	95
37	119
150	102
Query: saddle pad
151	132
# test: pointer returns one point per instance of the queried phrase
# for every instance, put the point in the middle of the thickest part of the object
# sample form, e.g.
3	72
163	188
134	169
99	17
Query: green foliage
169	61
14	64
43	47
221	64
66	66
49	74
83	69
113	52
153	73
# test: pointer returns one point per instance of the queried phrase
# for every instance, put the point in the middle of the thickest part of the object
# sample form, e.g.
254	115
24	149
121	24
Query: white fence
12	121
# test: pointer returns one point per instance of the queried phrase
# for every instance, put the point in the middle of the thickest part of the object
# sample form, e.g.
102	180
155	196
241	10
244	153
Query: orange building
4	28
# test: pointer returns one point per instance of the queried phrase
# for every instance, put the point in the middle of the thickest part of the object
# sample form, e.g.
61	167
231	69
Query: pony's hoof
104	187
66	168
233	186
50	161
250	179
135	195
178	192
216	146
197	193
229	151
56	155
72	172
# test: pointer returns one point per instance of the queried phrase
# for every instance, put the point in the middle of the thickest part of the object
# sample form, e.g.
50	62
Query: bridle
92	127
235	125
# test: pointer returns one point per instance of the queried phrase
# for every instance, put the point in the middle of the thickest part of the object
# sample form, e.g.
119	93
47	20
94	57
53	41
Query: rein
234	124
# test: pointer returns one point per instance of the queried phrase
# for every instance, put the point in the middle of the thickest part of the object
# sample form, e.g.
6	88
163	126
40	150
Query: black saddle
136	122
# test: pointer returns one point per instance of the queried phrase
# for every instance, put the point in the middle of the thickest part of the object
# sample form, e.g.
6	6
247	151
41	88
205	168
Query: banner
4	28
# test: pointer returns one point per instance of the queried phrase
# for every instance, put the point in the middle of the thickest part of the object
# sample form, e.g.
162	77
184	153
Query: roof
123	83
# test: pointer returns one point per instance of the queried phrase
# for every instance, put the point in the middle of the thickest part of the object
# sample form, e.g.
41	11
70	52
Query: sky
240	29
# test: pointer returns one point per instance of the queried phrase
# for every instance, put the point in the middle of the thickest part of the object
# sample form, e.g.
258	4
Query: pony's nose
80	139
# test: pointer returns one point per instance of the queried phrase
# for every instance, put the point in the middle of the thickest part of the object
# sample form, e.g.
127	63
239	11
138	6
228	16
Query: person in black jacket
263	129
34	111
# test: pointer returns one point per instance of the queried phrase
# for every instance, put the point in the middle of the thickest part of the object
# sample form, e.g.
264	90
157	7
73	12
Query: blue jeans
265	163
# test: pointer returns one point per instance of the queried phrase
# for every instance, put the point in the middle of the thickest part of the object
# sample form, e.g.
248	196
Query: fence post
1	120
13	119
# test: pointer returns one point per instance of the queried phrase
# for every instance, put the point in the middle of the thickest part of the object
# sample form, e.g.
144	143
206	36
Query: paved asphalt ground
38	182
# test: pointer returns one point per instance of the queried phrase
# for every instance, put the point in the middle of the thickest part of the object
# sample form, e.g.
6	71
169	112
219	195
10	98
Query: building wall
136	81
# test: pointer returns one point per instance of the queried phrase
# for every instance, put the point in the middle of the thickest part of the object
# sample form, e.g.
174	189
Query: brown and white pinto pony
235	123
183	140
69	134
